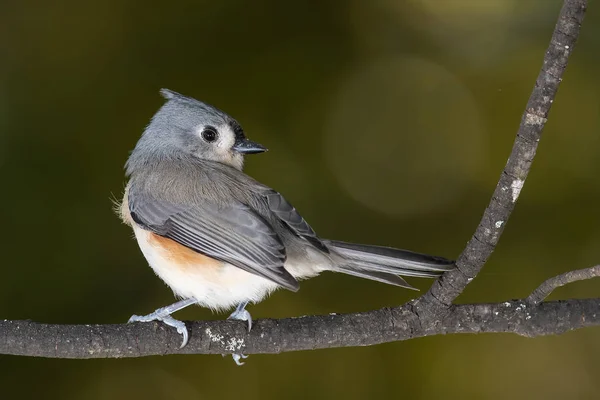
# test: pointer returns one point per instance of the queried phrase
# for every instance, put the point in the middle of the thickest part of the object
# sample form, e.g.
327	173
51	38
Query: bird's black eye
209	134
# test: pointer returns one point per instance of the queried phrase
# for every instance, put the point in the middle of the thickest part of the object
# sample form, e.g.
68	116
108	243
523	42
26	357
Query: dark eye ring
209	134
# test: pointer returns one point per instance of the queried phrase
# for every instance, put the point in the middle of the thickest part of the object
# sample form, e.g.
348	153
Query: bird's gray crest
168	94
171	94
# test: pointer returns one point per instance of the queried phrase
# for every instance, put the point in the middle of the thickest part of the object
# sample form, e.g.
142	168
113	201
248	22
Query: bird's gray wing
233	233
288	214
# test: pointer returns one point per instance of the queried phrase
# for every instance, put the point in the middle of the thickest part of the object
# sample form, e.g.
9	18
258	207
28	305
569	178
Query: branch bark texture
431	314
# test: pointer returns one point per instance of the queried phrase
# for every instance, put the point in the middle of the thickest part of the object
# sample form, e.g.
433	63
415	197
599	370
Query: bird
221	239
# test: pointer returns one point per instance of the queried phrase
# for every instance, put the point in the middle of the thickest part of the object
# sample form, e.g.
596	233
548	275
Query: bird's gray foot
241	314
164	315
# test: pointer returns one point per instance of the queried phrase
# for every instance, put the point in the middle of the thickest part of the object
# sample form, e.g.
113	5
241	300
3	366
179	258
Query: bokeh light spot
404	136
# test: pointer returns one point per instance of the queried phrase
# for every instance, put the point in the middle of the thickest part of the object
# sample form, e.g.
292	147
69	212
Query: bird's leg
164	314
241	314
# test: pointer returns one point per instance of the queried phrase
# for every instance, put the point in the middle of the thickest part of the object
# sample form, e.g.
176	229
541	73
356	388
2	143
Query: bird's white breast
218	286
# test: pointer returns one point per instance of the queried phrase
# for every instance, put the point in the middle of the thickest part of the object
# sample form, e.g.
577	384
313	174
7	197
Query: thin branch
445	290
28	338
551	284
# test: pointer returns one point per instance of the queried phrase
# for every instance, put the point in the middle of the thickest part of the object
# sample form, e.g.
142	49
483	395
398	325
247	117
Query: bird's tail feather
384	264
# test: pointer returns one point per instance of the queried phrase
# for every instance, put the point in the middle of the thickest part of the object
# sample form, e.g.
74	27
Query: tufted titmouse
221	239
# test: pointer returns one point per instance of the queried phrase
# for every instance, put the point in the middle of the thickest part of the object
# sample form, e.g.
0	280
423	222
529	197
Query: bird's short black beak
246	146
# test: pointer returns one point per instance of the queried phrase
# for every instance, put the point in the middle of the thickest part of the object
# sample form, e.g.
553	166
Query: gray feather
388	259
390	279
395	270
293	220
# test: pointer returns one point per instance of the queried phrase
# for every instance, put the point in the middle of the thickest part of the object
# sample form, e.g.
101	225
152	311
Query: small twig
544	290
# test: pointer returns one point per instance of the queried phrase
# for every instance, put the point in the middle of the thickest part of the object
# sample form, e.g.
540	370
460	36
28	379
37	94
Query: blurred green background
388	123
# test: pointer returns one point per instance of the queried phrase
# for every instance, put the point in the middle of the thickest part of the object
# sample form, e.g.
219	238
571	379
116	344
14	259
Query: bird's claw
134	318
242	315
237	357
167	320
180	326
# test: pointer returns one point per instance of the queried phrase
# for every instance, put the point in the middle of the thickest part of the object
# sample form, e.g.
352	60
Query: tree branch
431	314
28	338
445	290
